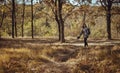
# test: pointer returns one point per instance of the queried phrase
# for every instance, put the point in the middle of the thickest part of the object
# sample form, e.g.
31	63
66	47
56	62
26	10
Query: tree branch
103	4
69	13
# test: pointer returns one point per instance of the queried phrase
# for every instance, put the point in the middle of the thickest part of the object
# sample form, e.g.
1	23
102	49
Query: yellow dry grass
59	59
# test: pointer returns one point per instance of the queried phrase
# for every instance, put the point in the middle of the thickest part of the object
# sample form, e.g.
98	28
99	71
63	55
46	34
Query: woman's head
84	25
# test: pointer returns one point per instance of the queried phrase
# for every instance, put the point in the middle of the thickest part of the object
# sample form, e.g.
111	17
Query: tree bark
32	18
108	24
15	24
62	39
13	17
109	19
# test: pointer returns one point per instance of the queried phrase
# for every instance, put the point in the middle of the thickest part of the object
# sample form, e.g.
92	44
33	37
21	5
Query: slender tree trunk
32	18
23	15
13	17
61	29
108	24
62	39
15	26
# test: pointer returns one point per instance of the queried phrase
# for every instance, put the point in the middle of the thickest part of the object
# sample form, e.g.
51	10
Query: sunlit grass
60	59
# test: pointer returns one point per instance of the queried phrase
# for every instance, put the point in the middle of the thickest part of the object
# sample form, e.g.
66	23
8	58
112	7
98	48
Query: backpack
88	31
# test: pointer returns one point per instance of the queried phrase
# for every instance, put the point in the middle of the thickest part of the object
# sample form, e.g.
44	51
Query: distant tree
107	5
32	19
2	17
13	17
15	23
23	15
5	11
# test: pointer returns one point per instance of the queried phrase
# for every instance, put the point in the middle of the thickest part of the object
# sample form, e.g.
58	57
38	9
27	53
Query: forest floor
50	56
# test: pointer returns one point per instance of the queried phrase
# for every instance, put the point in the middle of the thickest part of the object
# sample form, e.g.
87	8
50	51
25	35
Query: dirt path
18	42
79	44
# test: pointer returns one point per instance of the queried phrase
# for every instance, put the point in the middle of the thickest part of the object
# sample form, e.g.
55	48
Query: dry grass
59	59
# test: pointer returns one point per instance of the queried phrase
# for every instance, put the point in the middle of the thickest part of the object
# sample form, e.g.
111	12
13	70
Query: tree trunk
62	39
32	18
23	18
107	4
61	31
15	26
108	24
13	17
59	19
